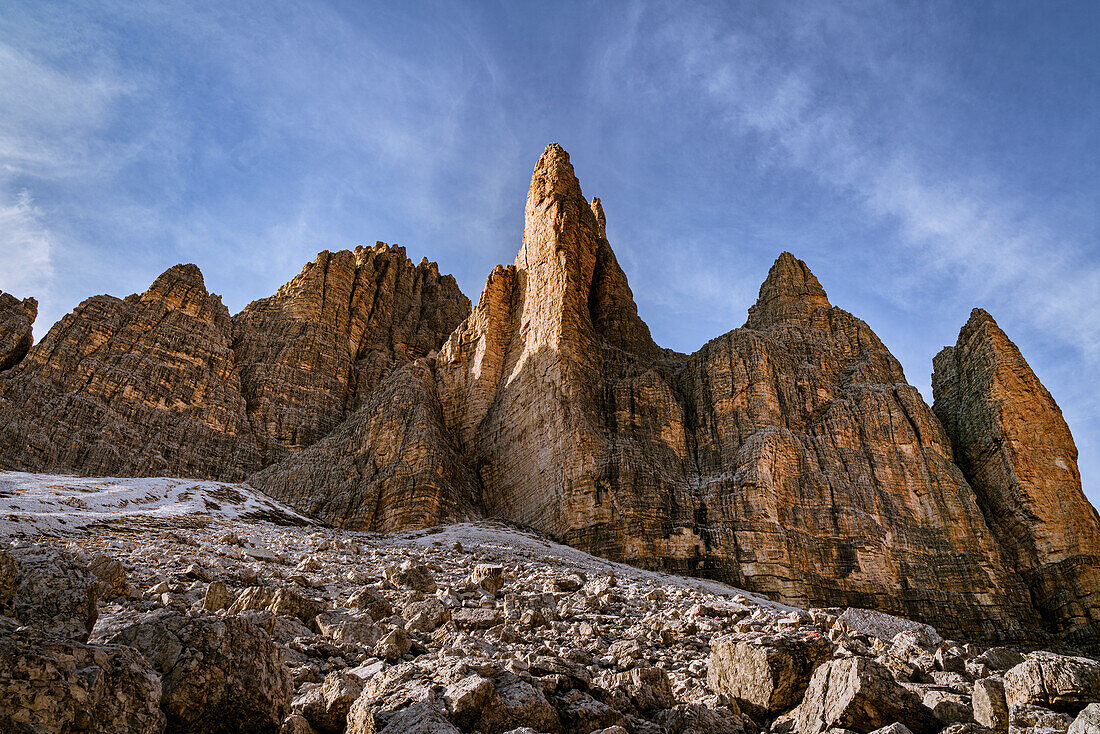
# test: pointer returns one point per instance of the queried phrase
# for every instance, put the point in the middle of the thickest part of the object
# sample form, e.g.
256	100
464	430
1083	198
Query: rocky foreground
159	604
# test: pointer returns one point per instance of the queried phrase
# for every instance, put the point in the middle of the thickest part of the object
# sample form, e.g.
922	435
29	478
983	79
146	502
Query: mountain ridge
788	456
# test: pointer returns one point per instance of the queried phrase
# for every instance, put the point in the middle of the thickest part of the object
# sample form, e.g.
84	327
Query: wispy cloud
28	248
961	225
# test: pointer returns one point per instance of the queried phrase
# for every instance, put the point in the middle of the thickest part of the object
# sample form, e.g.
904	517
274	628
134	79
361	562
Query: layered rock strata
789	456
141	386
16	319
1015	448
312	353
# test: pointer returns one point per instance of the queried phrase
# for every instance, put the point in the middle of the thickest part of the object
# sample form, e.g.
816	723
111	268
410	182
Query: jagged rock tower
1017	452
789	456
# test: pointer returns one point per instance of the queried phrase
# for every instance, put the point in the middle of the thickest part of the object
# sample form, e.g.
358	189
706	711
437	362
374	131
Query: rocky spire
790	292
601	220
558	256
1015	448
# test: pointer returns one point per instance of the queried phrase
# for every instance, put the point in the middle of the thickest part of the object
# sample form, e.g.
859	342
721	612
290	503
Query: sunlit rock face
140	386
1016	450
311	354
167	383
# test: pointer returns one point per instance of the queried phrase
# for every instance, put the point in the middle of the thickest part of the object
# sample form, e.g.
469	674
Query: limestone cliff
1016	450
310	354
16	320
139	386
789	456
167	383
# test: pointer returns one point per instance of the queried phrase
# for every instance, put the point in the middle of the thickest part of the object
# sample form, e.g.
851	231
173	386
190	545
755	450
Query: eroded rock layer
1014	446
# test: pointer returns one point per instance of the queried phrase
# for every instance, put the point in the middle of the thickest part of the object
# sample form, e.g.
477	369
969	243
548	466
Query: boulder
858	693
284	602
411	575
990	705
371	601
112	577
1001	658
1088	721
693	718
426	717
326	706
470	699
487	577
357	628
393	645
649	688
949	708
426	615
1053	681
765	675
886	626
56	592
50	684
217	597
219	674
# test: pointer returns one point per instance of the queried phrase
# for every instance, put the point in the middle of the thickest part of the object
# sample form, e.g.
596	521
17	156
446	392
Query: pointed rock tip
791	278
184	274
553	174
980	314
789	291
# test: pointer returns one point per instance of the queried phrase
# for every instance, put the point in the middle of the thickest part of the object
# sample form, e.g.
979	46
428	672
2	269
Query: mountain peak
790	291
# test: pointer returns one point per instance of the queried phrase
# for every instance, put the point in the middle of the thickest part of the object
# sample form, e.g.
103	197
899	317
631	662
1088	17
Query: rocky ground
152	605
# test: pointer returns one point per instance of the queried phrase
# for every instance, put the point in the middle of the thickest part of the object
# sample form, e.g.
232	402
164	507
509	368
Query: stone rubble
476	627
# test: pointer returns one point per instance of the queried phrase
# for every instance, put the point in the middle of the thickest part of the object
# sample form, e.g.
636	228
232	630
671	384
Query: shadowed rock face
1016	450
16	320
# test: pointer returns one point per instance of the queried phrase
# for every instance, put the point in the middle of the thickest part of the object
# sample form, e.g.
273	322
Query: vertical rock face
789	456
310	354
141	386
16	320
817	474
391	465
1015	448
166	383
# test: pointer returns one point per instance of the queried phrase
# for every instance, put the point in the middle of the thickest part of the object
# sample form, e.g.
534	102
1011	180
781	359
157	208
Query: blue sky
922	158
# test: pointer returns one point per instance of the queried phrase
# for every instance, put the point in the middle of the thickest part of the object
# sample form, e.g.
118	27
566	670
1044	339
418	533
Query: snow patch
52	504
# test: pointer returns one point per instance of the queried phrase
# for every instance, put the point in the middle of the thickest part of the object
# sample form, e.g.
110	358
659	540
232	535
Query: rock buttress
1015	448
789	456
392	465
